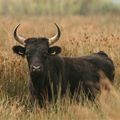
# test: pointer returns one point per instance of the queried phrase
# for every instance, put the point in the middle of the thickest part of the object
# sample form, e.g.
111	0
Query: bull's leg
34	97
91	91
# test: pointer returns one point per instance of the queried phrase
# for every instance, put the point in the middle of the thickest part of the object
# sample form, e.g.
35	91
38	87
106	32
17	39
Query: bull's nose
36	68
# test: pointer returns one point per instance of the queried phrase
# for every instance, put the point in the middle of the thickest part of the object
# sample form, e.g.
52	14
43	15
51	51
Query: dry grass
80	36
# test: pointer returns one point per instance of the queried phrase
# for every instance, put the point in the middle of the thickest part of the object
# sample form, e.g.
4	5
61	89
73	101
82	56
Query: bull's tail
101	53
107	66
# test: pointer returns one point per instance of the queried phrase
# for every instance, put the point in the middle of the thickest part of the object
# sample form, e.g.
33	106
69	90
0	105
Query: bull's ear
19	50
54	50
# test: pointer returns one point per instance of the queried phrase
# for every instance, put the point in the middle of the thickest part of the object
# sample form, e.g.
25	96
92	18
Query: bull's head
36	50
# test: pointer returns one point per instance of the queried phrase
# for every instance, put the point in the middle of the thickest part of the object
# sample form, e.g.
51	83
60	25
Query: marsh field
80	36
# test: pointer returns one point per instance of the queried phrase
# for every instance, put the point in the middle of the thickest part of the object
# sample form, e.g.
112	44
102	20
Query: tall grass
80	36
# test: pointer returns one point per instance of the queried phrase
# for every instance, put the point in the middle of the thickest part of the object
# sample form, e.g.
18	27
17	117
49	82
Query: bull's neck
38	81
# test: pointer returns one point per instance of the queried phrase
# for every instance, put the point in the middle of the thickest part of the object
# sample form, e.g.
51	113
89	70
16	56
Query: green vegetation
57	7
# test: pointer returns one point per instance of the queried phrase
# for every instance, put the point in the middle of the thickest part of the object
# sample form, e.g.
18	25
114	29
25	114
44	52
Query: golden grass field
80	36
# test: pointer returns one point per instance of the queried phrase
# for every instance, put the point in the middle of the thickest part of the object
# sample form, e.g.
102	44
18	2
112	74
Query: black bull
48	69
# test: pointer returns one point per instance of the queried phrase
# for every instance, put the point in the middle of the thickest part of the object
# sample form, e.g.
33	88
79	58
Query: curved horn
17	37
56	37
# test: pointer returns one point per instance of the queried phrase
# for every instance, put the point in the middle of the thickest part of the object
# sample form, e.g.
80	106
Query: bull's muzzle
36	68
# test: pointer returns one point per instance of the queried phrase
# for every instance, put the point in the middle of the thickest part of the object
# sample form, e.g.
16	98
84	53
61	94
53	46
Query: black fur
19	50
65	72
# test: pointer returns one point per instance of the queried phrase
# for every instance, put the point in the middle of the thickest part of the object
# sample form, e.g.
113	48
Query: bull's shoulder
56	61
57	58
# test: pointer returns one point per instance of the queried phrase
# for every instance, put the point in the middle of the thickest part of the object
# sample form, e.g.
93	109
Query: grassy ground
80	36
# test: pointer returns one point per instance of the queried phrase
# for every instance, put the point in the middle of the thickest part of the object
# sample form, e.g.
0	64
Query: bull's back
104	63
88	67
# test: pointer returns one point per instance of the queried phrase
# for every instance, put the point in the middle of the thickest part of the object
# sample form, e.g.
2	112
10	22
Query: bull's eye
53	53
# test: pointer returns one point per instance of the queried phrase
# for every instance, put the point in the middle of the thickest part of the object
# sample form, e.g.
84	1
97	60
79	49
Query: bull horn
56	37
17	37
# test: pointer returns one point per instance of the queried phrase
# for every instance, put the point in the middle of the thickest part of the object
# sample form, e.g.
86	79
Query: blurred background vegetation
58	7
